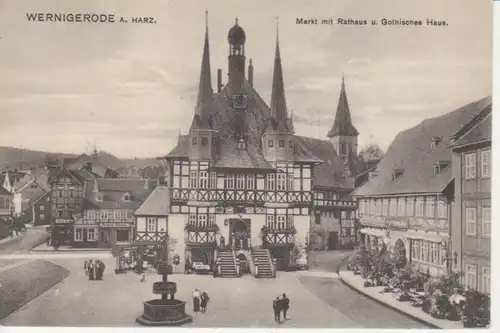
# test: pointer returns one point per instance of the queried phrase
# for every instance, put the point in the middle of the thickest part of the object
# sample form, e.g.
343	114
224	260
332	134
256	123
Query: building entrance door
239	237
104	238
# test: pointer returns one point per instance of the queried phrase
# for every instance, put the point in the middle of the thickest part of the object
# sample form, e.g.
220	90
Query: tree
371	152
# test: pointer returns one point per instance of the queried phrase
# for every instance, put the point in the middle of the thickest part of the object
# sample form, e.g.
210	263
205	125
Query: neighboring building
92	165
108	214
67	191
25	196
406	203
152	218
5	203
41	210
241	175
10	179
471	212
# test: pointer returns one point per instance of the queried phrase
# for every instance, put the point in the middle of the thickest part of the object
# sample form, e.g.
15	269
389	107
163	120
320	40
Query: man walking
285	301
277	309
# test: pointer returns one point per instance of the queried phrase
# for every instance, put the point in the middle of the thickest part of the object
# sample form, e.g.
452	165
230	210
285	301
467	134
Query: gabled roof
113	191
249	158
412	153
3	191
157	203
477	130
343	123
331	172
83	160
181	150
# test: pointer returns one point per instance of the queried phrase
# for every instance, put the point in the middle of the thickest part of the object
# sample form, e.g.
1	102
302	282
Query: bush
476	311
427	305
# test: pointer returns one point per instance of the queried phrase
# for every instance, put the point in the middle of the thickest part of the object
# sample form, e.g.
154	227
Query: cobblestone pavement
31	238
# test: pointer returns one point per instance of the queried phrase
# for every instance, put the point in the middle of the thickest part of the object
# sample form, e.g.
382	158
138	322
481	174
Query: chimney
250	73
219	80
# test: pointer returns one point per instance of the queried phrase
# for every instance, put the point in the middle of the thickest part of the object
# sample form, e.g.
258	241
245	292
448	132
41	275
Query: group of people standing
281	304
200	301
94	270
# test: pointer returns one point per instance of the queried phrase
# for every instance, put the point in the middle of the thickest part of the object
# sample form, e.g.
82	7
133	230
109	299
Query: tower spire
205	93
342	125
278	100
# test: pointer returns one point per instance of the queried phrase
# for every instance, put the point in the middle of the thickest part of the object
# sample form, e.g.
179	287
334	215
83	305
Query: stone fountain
166	311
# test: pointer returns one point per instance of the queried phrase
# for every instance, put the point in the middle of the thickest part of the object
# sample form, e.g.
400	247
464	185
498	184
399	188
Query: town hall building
243	186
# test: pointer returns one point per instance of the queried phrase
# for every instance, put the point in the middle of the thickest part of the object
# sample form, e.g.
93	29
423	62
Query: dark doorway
244	266
240	234
333	240
400	254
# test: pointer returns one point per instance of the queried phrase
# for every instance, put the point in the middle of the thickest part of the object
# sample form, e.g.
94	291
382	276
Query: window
470	166
270	221
434	258
486	221
485	280
193	179
270	181
470	276
202	220
203	179
410	202
99	197
117	214
290	144
151	224
192	219
130	214
270	143
230	181
470	221
281	223
282	143
385	207
442	210
240	182
42	208
290	182
431	208
122	235
401	207
213	180
78	235
204	141
419	208
281	183
42	216
485	163
126	197
415	249
194	141
289	221
425	251
393	207
211	219
92	235
250	182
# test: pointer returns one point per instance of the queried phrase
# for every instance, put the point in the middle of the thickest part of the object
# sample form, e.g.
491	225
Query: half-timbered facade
241	178
66	198
406	204
108	218
471	212
151	224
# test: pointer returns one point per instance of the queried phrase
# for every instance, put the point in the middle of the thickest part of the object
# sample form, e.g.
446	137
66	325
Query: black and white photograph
246	164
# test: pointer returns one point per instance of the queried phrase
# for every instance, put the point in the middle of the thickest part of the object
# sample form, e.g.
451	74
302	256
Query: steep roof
114	190
279	111
478	129
411	153
83	160
331	172
157	203
249	158
343	123
3	191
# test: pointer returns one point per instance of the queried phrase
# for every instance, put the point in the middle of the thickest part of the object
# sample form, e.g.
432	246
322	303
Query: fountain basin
158	312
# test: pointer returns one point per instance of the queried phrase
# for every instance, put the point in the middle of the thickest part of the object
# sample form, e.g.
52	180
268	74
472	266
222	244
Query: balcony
325	203
201	236
253	197
278	236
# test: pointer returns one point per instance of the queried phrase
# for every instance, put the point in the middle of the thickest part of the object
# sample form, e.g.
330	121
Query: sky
131	88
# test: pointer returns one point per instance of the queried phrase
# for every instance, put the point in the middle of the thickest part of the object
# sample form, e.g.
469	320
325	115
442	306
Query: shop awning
427	237
373	232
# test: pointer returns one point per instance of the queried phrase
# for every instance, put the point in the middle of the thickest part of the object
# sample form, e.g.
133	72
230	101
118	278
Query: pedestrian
85	265
196	300
91	269
285	304
277	309
204	301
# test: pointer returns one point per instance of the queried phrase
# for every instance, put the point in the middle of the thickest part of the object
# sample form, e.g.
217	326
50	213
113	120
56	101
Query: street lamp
449	257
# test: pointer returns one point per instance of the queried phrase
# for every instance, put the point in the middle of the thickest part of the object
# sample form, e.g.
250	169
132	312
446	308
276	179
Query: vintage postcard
263	164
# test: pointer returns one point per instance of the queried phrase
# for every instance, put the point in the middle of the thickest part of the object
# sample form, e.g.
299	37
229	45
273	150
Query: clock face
240	101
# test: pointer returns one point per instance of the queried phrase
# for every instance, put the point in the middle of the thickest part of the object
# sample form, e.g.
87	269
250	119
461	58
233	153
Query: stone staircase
227	263
262	260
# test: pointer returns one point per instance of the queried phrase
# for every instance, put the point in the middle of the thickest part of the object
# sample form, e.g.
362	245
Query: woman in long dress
91	268
196	300
204	301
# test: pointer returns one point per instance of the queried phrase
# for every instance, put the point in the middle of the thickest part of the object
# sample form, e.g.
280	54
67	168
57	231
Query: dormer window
204	141
435	141
126	197
282	143
270	143
396	173
440	166
241	144
98	197
290	144
194	141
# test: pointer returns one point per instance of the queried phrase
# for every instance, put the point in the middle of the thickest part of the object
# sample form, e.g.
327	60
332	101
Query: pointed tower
343	135
201	134
277	141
